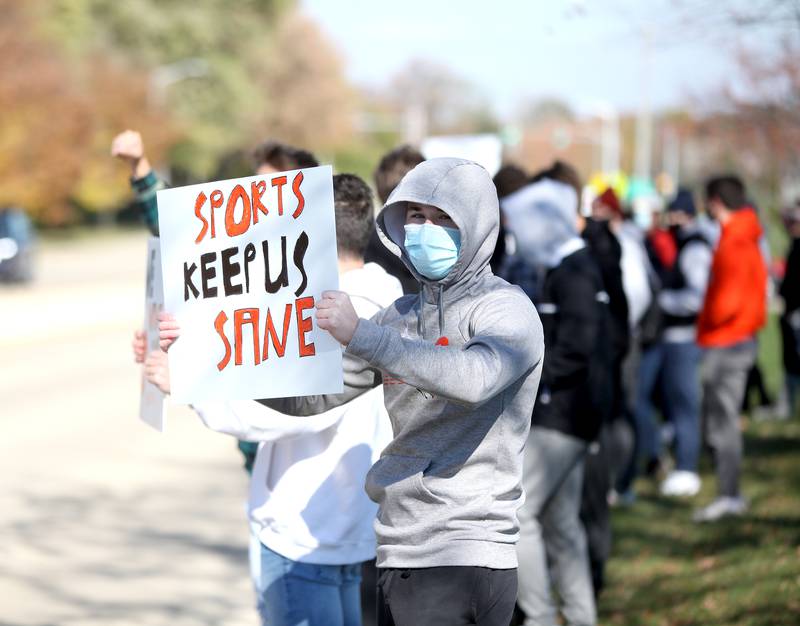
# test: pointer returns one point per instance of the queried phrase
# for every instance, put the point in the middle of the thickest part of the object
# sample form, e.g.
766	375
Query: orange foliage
45	123
57	124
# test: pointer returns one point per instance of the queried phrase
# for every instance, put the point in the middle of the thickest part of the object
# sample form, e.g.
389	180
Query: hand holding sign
156	369
168	330
335	313
139	345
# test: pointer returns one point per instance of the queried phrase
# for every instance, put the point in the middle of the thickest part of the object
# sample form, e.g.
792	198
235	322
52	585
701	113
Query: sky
591	53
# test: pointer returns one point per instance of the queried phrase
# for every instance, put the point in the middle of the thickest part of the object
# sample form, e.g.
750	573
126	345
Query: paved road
104	521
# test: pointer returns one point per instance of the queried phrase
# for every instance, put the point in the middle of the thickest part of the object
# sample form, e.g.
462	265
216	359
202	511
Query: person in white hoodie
307	504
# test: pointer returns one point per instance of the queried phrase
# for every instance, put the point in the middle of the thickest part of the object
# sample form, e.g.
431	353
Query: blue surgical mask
433	250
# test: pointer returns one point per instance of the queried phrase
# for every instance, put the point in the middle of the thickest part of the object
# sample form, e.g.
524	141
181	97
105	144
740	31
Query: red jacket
736	300
663	245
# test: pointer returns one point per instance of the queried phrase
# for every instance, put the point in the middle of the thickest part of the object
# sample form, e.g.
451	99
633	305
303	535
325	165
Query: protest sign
244	262
151	404
486	149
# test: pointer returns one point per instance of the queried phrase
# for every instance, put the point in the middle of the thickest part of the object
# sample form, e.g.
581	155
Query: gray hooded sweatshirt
448	486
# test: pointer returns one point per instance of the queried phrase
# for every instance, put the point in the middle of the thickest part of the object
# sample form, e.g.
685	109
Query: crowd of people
508	351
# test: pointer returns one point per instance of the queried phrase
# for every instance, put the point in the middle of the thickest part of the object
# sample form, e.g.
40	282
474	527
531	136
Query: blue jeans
681	384
675	366
307	594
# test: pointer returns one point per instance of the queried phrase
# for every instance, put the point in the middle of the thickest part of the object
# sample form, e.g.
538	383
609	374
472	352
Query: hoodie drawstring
441	311
421	317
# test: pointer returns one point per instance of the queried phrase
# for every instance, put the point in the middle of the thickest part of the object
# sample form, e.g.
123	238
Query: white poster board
151	404
244	261
485	150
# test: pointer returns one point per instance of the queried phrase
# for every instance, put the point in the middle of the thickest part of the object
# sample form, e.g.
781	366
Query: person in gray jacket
460	363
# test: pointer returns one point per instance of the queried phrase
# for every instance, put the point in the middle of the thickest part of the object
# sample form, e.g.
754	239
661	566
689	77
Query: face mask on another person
432	249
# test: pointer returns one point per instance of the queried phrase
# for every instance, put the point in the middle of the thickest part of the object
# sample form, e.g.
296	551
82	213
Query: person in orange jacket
733	311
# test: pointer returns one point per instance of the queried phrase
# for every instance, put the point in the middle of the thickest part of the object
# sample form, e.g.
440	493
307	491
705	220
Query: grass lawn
667	571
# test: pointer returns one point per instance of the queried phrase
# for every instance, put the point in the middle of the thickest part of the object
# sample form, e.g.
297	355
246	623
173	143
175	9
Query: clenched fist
128	146
335	313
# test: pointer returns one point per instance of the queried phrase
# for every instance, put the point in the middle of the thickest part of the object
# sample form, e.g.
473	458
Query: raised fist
128	146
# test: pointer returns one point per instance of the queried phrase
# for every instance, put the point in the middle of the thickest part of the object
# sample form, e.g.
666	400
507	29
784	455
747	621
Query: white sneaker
724	506
681	484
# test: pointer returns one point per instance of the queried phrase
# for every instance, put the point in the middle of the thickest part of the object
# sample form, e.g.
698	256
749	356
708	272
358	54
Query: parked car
17	242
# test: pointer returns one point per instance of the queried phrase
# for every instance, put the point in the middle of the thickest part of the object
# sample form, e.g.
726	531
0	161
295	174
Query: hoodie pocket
395	483
471	488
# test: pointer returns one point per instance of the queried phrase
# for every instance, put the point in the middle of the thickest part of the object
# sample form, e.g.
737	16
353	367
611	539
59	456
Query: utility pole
672	155
609	138
644	119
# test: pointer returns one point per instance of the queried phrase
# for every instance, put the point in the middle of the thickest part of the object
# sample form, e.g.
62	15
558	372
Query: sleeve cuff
148	181
366	340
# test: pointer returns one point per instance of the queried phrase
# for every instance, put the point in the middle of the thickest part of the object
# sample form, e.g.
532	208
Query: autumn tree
120	99
58	119
44	119
199	78
197	58
304	97
445	102
751	122
224	71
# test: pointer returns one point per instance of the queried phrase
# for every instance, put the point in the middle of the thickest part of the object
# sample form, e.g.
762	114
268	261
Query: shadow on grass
652	595
770	446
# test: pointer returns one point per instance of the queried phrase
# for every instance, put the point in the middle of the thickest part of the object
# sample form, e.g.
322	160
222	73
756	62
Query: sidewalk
104	521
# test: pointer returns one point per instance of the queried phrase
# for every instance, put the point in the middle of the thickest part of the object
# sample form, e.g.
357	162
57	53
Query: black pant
594	513
369	593
450	596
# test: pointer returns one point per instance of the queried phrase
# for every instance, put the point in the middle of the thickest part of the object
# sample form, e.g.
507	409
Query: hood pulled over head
462	189
542	217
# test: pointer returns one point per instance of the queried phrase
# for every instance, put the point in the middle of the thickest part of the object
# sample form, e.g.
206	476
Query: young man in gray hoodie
460	364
